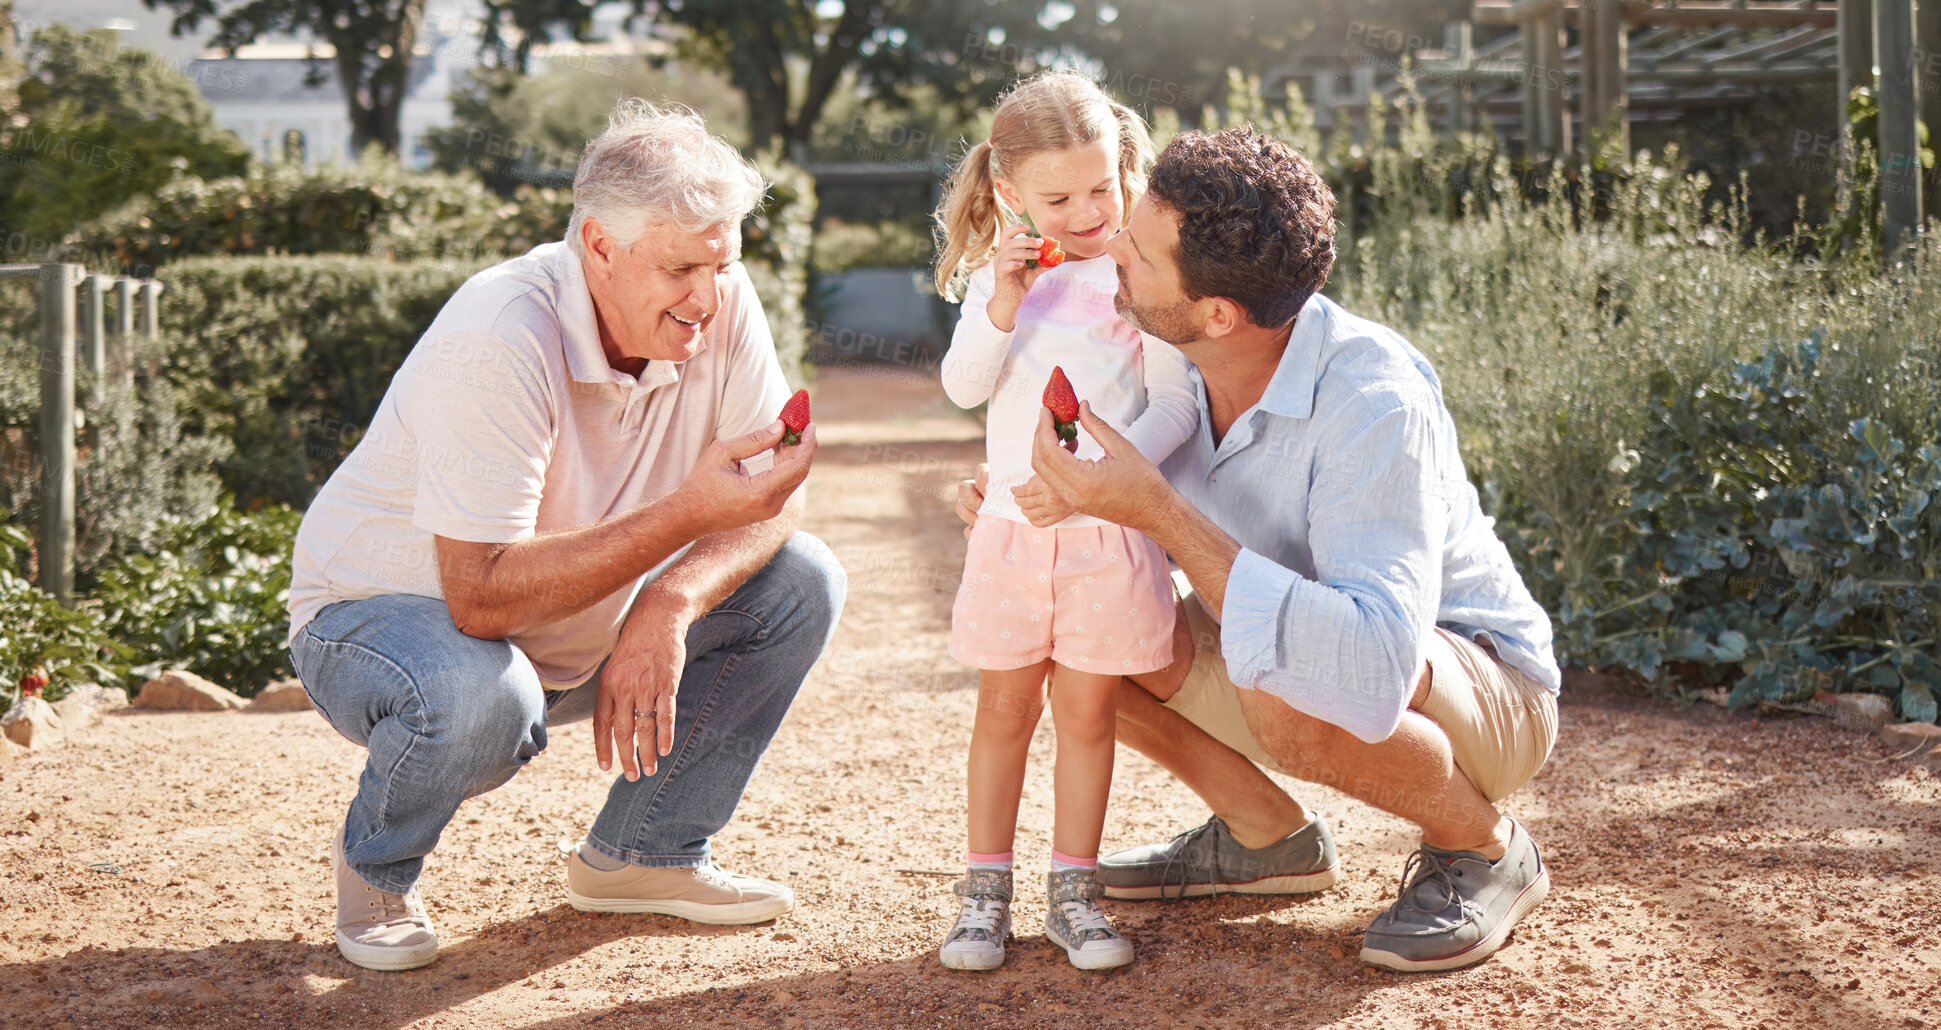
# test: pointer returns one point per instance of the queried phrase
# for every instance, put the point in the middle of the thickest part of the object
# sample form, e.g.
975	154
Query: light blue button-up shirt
1360	530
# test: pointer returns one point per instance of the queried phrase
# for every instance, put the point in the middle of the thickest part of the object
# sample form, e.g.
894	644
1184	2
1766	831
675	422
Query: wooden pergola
1618	59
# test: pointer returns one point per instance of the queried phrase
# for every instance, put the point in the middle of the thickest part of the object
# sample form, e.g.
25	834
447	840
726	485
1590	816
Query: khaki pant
1501	723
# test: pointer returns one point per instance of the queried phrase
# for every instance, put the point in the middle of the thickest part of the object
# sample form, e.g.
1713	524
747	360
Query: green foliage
1713	462
775	245
141	457
211	595
38	633
97	125
288	357
373	207
515	130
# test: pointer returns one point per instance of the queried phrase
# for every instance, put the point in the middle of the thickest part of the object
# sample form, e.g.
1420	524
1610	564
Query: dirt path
1709	870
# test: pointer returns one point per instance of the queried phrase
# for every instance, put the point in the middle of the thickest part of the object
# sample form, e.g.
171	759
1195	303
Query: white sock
998	862
1063	863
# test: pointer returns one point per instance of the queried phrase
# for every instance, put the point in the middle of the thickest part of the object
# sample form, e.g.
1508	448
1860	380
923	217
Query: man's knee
811	583
484	709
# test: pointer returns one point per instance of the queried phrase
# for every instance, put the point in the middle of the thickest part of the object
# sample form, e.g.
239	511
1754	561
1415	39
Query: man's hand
1121	487
719	495
638	687
970	496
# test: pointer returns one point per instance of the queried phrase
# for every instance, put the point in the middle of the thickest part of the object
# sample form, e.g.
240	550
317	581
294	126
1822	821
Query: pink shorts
1091	598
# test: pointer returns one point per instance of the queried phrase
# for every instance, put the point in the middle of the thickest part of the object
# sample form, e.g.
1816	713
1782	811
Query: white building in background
272	92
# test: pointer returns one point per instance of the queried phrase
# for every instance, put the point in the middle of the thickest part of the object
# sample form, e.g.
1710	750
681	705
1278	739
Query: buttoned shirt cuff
1257	589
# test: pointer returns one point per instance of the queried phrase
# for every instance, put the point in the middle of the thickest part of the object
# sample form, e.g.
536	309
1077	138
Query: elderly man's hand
634	713
720	495
970	496
1121	487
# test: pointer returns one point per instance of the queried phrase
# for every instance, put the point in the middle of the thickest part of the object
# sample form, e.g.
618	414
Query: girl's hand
1013	279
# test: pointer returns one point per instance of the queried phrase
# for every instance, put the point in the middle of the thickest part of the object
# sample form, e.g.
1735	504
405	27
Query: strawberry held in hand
1050	254
1064	408
795	418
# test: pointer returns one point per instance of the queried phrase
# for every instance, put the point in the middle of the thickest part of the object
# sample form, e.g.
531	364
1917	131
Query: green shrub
1700	452
776	243
140	456
38	633
288	357
374	207
212	595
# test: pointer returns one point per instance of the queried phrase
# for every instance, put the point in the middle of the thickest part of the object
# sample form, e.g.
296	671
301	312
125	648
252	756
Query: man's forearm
1202	549
718	564
554	575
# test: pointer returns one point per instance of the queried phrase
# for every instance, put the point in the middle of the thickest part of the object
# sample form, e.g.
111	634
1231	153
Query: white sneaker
1076	923
977	941
377	929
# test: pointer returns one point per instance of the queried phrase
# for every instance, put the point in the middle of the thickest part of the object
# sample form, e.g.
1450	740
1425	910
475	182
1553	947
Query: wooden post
124	357
1900	161
1856	28
94	352
1553	120
1927	85
1613	72
151	310
1590	87
55	549
1532	115
1459	42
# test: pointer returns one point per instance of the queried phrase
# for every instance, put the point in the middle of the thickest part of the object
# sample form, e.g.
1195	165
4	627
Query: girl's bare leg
1008	705
1082	708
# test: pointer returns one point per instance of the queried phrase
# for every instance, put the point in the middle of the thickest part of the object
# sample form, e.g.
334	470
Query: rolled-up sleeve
1346	647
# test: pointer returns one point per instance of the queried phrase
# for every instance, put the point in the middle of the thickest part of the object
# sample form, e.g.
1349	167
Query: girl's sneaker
977	941
1075	922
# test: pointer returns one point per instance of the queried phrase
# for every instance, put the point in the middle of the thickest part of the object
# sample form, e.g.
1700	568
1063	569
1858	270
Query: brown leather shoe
702	894
377	929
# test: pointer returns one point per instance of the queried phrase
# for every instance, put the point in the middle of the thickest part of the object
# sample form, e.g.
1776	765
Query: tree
372	39
100	124
517	130
787	57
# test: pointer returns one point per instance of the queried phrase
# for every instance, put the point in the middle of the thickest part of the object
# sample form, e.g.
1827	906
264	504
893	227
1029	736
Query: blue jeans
446	717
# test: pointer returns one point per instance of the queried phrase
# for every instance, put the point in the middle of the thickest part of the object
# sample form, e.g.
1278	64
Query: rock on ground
281	696
180	691
33	724
1864	713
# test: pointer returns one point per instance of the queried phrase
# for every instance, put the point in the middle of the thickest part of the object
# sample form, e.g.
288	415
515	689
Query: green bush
775	243
374	207
288	357
212	595
140	455
1701	453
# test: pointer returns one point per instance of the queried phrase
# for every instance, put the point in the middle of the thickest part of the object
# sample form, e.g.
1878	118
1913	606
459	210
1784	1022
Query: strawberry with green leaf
1064	408
1050	254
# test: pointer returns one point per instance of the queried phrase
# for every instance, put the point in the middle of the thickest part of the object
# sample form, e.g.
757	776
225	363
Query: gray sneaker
1207	860
1457	907
1074	921
977	941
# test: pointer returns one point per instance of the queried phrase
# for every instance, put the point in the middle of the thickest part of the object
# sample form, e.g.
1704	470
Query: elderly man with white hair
573	500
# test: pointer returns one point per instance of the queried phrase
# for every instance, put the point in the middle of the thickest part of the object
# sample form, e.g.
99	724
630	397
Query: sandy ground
1710	870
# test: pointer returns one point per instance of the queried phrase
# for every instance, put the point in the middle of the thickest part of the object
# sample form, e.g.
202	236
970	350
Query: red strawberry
795	418
32	683
1050	254
1064	407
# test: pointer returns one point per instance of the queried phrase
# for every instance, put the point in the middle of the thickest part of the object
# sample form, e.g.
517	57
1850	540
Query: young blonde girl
1083	602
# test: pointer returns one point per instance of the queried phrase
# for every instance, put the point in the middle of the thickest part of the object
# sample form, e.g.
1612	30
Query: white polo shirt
506	421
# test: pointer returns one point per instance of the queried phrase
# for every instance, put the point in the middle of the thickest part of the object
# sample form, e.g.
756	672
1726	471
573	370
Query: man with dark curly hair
1348	617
